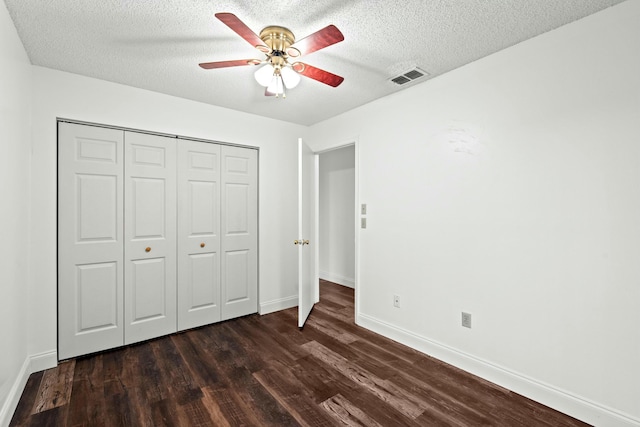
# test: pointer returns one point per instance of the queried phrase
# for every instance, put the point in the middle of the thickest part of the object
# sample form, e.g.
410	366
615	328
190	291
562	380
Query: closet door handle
147	249
202	245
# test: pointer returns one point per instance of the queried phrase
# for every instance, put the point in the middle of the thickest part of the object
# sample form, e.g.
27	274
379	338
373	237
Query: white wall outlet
396	301
466	320
363	209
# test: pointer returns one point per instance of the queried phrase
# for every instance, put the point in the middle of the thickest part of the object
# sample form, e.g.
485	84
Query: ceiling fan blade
267	93
232	21
224	64
314	73
320	39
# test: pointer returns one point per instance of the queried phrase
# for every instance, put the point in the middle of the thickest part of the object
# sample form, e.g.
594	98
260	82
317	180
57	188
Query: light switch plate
363	222
363	209
466	320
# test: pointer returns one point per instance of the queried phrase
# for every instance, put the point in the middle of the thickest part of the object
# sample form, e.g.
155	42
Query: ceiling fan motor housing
279	40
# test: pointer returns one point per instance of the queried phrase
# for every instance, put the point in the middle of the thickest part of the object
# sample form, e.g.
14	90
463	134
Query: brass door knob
297	242
147	249
305	242
202	245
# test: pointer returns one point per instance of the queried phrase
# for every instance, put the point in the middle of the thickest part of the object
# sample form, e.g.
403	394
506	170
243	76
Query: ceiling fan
280	46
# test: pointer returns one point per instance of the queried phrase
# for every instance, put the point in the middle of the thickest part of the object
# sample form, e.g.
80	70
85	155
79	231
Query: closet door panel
150	236
239	231
203	280
90	239
237	276
198	234
147	277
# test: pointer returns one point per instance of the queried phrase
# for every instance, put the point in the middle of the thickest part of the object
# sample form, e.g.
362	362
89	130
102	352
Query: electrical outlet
466	320
363	209
363	222
396	301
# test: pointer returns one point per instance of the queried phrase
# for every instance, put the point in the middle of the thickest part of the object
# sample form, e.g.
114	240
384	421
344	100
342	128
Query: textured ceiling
157	44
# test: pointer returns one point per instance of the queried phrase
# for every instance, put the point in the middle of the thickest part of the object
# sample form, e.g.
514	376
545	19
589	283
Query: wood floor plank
291	395
213	409
164	413
194	352
318	382
112	371
55	388
251	391
174	372
347	413
310	372
329	327
149	373
50	418
265	371
344	314
380	388
384	412
233	407
86	405
194	413
29	395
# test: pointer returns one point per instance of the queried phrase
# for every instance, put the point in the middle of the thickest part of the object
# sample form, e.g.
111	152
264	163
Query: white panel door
198	234
239	225
307	232
150	236
90	233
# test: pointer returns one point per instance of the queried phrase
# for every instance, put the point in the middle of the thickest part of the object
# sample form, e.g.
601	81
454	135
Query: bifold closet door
149	236
90	239
198	234
239	224
155	235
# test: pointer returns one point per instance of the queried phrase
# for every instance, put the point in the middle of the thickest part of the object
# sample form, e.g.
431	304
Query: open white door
307	237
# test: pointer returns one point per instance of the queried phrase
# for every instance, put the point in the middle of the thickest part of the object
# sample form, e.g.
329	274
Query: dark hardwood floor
263	370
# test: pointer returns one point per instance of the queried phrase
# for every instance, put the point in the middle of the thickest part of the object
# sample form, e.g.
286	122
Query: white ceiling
157	44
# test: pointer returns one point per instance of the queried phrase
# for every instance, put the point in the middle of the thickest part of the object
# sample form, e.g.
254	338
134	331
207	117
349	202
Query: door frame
355	142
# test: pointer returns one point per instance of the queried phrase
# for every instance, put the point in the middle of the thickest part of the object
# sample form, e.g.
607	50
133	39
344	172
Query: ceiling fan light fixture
277	86
289	77
264	75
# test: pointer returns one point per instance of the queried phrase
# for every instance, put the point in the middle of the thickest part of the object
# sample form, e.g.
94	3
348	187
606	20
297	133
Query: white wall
59	94
15	151
510	188
337	205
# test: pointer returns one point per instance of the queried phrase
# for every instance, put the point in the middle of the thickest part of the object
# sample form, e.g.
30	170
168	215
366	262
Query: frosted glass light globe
275	86
290	77
264	75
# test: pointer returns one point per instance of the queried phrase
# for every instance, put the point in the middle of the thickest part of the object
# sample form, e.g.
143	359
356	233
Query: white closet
155	235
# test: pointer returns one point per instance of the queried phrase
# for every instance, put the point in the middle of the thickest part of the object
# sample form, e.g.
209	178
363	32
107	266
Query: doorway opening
336	219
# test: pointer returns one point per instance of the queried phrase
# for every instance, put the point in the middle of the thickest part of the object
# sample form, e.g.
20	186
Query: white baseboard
11	402
46	360
31	364
560	400
278	304
336	278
